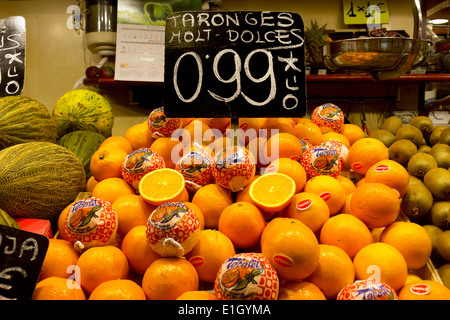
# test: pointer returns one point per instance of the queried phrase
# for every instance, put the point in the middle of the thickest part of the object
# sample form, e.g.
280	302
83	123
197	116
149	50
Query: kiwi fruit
438	214
402	150
424	124
420	163
443	244
436	135
415	181
445	136
392	124
424	149
410	132
441	153
444	274
433	231
417	201
437	180
388	138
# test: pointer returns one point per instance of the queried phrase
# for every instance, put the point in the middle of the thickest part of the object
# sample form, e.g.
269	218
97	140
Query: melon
7	220
83	109
83	143
24	119
39	179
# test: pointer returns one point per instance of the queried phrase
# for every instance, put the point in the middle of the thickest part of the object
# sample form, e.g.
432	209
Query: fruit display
249	224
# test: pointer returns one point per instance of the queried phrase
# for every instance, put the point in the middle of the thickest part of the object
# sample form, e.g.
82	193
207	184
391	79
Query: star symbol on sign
290	62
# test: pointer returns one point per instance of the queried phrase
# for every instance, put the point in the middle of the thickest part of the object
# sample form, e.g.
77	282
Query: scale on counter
382	57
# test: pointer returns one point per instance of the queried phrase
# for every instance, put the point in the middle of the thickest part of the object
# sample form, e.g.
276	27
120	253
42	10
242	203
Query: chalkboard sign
12	55
21	256
234	63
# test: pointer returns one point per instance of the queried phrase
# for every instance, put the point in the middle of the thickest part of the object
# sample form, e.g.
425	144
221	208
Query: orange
118	289
272	192
243	223
197	295
213	248
243	195
308	131
132	210
168	278
309	208
280	124
100	264
135	247
170	149
162	185
346	232
216	123
329	189
365	152
336	137
382	262
375	204
256	147
60	255
334	271
119	141
212	199
390	173
112	189
197	131
90	184
352	132
348	184
291	168
55	288
139	135
251	123
107	162
302	290
172	229
197	211
346	207
291	248
411	239
62	222
217	145
283	145
424	290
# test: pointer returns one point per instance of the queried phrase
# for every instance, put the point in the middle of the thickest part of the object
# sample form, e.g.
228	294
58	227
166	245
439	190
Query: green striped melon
39	179
83	143
7	220
24	119
83	109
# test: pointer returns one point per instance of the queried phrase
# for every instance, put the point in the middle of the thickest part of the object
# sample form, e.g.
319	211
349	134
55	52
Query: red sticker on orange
382	168
325	195
304	204
283	260
420	289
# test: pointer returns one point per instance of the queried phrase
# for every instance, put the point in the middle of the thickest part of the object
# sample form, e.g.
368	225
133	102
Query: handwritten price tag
366	12
247	63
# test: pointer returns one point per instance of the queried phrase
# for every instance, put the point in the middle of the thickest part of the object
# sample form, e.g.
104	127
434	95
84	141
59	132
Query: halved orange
161	185
272	192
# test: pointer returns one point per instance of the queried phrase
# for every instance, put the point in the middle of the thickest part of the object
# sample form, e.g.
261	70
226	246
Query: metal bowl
383	57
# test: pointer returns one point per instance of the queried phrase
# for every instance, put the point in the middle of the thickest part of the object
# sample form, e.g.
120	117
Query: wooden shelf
428	77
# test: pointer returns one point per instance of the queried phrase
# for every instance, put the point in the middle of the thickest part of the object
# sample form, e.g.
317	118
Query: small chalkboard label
21	256
12	55
234	63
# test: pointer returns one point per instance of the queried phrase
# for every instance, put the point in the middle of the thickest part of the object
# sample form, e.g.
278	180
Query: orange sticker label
325	195
420	289
357	165
382	168
283	260
304	204
197	261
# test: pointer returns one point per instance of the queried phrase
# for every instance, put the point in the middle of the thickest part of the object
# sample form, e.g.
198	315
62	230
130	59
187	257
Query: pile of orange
318	234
